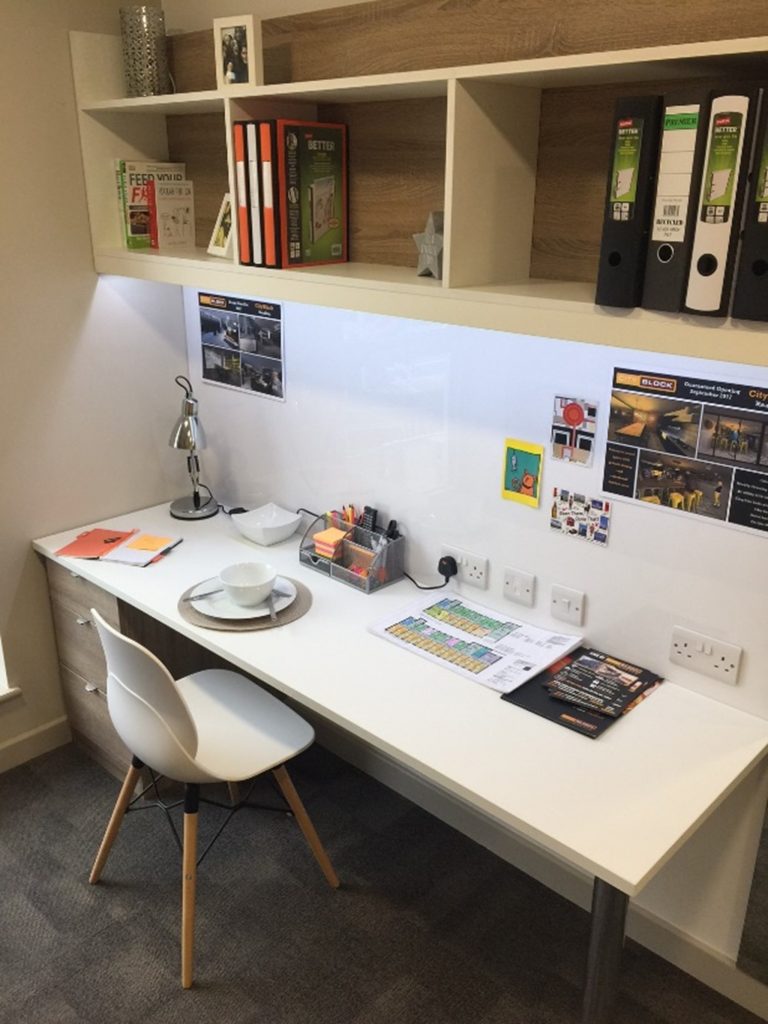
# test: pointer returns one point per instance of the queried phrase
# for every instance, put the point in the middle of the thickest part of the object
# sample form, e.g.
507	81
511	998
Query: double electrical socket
705	655
473	569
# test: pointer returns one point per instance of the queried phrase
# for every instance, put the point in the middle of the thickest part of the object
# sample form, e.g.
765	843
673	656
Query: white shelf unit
491	131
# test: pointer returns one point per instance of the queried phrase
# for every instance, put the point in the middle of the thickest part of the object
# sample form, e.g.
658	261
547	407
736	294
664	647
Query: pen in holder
364	559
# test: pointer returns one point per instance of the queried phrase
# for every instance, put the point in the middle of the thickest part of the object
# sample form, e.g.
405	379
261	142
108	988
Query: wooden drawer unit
83	670
77	593
91	724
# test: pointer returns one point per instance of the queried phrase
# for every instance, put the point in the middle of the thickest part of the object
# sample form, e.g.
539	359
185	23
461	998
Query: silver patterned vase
145	58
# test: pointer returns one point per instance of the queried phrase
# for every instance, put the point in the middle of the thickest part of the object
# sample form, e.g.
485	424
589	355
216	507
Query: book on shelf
587	690
312	179
750	301
253	178
248	192
721	194
628	201
270	213
242	193
171	214
673	218
132	178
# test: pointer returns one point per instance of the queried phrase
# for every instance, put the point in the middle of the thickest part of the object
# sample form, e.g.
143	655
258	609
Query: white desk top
617	807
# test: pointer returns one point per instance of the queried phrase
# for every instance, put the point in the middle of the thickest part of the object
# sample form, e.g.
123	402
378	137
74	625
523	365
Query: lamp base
184	508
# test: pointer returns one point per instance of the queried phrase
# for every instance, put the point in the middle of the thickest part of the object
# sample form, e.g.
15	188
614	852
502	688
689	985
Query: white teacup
248	583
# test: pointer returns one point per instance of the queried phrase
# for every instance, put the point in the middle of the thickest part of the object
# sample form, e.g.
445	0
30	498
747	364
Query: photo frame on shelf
237	51
221	238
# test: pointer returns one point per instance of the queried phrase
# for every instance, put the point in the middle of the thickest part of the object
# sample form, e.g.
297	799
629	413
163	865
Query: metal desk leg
606	939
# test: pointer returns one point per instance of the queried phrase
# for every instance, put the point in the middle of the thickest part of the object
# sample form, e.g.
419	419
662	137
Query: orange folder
95	543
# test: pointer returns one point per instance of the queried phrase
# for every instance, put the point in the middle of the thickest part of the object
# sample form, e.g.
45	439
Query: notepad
142	550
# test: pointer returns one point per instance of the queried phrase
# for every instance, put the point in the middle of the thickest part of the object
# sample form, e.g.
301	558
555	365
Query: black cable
308	511
210	496
421	586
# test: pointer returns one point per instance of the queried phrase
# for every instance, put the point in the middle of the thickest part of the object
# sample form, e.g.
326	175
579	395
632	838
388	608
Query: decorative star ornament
430	245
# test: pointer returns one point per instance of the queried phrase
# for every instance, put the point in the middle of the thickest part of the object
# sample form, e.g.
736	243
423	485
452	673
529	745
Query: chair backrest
145	707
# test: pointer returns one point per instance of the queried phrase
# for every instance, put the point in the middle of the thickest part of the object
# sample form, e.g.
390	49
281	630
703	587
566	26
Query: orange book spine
243	235
268	199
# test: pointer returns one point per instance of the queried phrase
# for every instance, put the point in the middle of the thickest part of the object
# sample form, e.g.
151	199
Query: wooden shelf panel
400	36
396	174
745	57
551	309
513	152
200	142
179	103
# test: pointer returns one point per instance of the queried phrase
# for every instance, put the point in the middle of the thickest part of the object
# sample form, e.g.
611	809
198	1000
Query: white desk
660	772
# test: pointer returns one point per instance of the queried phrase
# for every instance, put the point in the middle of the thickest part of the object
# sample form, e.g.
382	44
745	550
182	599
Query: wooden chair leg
288	790
188	882
116	820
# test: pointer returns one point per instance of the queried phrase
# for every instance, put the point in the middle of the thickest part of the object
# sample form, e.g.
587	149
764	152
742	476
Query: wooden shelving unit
468	140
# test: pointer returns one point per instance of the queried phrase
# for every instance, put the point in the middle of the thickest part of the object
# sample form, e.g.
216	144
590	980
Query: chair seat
242	730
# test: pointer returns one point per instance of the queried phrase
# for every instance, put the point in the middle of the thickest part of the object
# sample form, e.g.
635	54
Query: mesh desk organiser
364	559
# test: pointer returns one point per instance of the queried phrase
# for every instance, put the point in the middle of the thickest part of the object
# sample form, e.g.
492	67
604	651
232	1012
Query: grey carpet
428	928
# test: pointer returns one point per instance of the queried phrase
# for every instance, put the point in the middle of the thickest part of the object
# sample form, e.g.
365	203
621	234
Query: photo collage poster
697	446
242	344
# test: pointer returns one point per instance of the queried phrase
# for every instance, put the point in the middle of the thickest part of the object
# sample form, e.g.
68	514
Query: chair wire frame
167	806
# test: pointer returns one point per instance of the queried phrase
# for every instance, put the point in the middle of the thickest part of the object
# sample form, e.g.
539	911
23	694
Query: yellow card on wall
522	471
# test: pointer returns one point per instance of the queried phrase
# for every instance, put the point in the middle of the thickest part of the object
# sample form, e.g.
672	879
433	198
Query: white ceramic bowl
267	525
248	583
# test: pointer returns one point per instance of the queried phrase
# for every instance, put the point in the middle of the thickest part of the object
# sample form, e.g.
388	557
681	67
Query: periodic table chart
477	642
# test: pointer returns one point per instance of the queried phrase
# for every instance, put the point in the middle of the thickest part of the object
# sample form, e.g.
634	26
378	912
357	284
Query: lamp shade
188	433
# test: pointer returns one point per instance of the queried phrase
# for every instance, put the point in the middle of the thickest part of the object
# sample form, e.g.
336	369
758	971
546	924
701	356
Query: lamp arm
193	466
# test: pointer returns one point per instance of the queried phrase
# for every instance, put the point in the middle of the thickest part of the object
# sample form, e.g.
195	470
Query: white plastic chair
211	726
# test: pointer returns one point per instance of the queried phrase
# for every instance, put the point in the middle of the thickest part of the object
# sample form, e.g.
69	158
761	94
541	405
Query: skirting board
19	749
680	949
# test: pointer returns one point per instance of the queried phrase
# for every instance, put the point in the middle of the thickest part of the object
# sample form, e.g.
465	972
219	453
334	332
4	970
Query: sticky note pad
330	536
146	542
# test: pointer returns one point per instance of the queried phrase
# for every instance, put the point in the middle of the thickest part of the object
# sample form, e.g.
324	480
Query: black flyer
586	691
698	447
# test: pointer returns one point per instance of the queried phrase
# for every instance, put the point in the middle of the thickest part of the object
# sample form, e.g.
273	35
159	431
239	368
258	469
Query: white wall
86	386
411	418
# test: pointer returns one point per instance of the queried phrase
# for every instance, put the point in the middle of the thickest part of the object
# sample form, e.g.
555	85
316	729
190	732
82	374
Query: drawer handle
94	688
82	622
74	575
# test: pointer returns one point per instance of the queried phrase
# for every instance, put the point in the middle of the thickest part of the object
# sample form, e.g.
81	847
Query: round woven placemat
294	611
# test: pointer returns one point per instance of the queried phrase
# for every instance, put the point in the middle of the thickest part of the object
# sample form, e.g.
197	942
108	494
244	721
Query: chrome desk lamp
188	435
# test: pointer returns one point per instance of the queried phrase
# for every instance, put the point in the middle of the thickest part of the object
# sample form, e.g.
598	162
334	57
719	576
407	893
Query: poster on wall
573	430
577	515
522	471
242	344
699	447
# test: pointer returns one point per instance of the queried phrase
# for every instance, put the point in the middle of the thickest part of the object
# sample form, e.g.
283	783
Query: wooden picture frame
222	236
237	51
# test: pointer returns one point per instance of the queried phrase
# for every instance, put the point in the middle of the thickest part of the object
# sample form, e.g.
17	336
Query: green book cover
313	192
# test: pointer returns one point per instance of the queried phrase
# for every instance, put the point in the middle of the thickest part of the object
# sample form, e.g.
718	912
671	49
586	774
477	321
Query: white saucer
221	606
